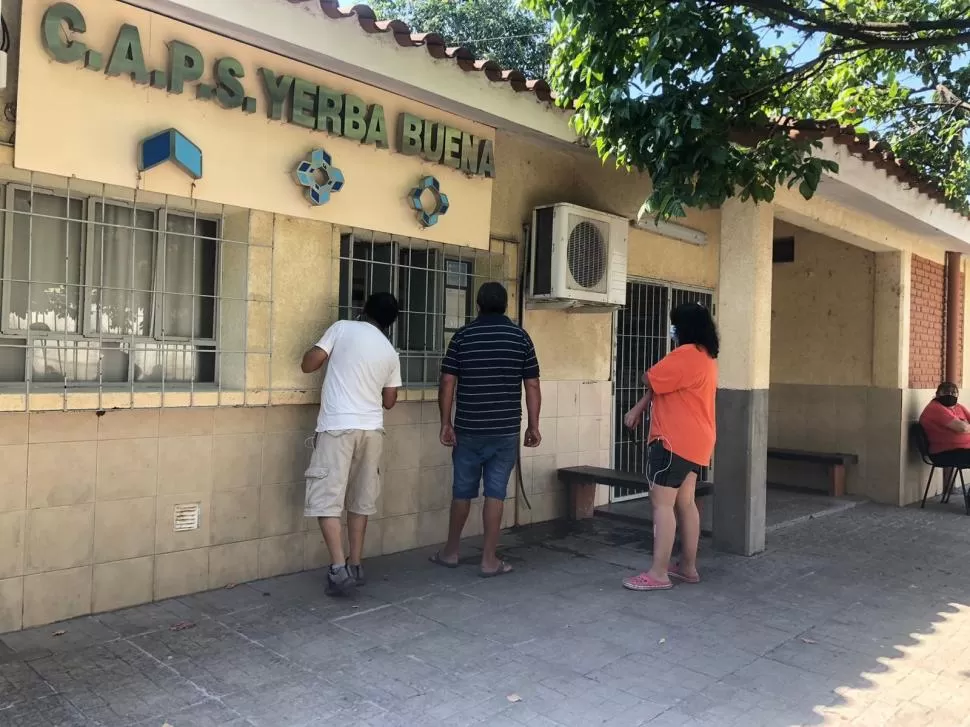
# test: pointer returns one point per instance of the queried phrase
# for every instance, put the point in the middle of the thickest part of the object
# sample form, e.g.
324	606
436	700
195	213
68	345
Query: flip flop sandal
502	569
675	573
644	582
437	560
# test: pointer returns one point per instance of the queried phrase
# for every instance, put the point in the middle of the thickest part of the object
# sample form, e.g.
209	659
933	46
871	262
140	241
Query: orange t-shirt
935	418
684	386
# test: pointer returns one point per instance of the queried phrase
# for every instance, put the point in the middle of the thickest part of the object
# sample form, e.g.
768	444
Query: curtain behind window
46	248
122	262
187	279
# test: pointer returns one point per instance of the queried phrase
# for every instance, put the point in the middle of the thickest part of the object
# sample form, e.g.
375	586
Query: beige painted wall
305	287
661	258
823	396
249	160
860	420
535	174
822	312
894	472
8	98
828	392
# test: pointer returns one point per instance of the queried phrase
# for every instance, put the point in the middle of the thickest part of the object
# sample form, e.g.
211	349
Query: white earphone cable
665	443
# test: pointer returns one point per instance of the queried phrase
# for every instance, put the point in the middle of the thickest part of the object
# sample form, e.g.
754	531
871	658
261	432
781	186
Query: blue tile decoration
427	218
173	146
318	192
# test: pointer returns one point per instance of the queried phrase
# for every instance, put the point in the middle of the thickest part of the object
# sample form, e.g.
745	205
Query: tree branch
875	34
805	72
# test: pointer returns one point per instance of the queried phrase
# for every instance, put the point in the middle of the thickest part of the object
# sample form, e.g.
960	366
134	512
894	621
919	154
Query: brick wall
928	284
927	330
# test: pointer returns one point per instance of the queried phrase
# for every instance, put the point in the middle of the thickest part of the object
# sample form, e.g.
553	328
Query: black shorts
665	468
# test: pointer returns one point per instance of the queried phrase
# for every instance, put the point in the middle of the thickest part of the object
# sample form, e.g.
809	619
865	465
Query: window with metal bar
97	291
435	286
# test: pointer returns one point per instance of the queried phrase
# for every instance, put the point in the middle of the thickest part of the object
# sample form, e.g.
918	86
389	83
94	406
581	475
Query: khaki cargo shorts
345	468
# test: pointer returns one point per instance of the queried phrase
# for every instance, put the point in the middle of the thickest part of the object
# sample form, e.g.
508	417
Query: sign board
97	77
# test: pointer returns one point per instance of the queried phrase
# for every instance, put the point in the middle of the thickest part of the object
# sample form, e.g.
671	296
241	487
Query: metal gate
642	339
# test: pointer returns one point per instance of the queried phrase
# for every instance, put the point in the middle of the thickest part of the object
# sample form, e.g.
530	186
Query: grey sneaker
357	573
340	582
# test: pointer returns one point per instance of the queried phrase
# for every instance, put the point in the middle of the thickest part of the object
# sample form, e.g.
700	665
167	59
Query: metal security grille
106	294
642	339
435	284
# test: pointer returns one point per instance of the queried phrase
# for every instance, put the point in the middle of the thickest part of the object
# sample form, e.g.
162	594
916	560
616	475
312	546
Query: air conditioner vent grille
587	254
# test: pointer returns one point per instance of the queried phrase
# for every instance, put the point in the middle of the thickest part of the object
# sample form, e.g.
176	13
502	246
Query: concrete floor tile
857	618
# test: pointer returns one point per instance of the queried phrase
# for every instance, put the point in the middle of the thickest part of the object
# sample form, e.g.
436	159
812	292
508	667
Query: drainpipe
954	304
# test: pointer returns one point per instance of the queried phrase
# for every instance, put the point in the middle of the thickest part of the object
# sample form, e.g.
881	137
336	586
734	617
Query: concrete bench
581	483
835	461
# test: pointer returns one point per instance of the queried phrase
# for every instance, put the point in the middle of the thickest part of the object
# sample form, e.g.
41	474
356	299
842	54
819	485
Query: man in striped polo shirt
487	362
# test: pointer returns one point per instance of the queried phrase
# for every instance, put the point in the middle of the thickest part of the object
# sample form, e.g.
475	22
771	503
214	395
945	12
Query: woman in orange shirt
680	398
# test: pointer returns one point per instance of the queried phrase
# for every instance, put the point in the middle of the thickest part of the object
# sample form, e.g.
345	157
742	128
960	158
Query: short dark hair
492	298
946	386
695	325
382	308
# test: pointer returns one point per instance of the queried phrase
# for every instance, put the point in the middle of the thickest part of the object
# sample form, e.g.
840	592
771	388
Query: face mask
947	400
673	334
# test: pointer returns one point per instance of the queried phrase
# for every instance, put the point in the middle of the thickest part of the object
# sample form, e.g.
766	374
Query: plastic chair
918	434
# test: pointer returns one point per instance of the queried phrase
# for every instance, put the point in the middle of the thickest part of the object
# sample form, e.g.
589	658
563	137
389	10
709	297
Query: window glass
121	267
45	263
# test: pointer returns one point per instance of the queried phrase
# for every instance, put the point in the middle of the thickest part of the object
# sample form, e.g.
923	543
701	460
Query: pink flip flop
675	573
645	582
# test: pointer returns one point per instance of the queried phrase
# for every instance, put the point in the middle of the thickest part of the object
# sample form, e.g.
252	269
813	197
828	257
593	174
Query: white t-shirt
362	362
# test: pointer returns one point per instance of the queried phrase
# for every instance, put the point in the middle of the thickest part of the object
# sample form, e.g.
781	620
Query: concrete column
886	423
890	335
744	319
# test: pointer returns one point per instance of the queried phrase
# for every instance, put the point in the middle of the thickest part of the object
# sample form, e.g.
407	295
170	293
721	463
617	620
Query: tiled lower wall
87	500
575	428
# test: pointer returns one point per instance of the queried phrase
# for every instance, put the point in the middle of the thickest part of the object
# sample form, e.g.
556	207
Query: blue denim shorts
489	460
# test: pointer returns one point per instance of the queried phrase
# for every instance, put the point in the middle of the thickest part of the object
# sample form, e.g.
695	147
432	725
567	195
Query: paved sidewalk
861	617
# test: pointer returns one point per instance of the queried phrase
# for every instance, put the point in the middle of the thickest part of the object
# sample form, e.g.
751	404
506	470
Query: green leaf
704	69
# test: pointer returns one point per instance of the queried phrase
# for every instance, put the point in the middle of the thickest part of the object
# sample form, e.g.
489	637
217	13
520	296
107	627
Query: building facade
194	191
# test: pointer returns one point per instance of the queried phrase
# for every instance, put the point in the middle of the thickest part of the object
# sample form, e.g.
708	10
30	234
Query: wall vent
187	517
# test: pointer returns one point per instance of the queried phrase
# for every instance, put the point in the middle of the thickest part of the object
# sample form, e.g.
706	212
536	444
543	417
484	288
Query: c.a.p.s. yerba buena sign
289	98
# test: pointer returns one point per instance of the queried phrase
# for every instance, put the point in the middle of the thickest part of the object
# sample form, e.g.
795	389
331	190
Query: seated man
947	426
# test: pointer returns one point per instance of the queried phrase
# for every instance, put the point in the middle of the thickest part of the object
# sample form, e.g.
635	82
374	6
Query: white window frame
466	273
157	292
89	286
9	214
88	223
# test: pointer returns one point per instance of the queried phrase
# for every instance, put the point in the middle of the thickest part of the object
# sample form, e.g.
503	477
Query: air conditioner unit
578	257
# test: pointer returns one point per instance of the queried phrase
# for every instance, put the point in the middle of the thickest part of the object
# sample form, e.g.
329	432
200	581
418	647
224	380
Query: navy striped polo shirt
490	356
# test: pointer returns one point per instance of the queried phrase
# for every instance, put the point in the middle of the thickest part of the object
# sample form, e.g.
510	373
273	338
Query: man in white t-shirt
363	375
